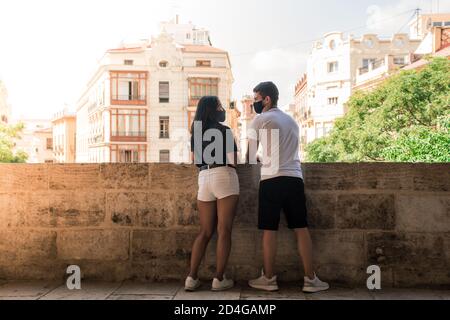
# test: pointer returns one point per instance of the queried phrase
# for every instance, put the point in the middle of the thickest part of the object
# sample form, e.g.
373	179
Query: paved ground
174	291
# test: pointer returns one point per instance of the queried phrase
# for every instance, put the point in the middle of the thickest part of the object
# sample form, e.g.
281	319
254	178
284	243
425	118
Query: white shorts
217	183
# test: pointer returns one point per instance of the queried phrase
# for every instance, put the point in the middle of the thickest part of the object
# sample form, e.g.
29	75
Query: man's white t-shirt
278	135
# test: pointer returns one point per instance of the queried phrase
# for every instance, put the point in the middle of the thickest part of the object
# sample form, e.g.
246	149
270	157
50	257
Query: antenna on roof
417	20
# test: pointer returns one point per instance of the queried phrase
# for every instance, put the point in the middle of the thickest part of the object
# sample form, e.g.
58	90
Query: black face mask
221	115
258	106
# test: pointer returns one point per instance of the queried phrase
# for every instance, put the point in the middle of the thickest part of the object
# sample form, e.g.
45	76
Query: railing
129	99
372	66
128	134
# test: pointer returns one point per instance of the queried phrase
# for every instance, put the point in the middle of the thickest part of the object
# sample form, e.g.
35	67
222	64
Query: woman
214	151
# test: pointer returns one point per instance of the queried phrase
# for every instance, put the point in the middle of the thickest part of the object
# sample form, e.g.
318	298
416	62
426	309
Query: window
164	127
437	24
128	153
48	161
164	156
447	23
333	101
188	36
164	92
203	63
369	43
128	62
327	127
199	87
49	143
367	62
399	42
128	87
163	64
323	129
332	44
399	60
128	125
333	67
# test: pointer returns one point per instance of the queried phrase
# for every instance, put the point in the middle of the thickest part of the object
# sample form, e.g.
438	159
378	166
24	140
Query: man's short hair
268	89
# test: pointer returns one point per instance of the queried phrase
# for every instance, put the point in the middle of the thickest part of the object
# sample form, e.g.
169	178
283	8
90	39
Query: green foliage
7	136
405	119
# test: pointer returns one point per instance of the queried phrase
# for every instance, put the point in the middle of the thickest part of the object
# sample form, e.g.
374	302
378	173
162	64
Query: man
281	186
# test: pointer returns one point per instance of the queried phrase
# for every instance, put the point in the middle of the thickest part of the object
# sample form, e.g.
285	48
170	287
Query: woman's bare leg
208	220
226	211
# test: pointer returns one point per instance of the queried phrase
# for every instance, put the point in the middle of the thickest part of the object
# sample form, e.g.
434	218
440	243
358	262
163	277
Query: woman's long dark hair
206	111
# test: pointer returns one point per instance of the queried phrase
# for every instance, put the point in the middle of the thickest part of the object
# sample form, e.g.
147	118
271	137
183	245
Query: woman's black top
208	137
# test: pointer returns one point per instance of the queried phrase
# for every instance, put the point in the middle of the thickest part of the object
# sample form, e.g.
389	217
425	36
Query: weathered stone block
344	275
423	213
125	176
20	245
321	209
330	176
78	208
423	251
169	177
74	176
247	210
431	177
381	177
415	277
243	249
23	177
338	247
150	245
183	207
371	211
140	209
93	244
30	209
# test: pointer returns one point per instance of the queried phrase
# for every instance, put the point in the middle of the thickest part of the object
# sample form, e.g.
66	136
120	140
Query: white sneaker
262	283
225	284
191	284
315	285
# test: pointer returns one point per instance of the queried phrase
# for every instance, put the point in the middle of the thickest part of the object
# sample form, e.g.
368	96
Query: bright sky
49	48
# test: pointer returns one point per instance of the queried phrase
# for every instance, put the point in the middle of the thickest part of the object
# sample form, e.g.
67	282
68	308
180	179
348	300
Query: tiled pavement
174	291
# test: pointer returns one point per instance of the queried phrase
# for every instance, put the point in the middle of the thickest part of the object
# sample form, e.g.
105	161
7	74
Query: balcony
128	136
138	100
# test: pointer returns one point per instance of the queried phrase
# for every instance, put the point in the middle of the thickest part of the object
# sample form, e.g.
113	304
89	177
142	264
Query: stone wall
139	221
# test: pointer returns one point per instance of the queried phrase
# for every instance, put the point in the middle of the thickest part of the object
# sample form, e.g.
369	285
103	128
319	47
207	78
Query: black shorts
282	193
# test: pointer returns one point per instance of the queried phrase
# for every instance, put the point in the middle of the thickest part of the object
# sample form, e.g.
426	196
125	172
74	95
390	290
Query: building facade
5	108
336	67
140	104
424	23
302	114
247	116
36	140
64	136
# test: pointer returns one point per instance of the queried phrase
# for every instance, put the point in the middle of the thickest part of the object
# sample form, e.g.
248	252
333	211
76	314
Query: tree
405	119
7	136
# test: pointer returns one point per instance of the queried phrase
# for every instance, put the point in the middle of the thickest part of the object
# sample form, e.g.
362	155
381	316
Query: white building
5	108
186	33
247	116
421	26
139	105
335	66
36	140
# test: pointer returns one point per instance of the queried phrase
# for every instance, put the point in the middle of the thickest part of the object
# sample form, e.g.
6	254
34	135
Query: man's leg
269	252
304	245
